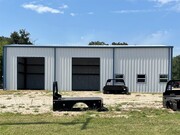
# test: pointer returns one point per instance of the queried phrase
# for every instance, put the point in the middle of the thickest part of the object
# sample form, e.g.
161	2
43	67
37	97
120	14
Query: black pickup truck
171	96
115	86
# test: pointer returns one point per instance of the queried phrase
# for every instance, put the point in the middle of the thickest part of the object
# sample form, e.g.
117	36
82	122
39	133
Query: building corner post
170	63
54	63
4	67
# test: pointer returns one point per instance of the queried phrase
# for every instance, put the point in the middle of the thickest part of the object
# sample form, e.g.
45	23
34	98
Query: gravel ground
37	102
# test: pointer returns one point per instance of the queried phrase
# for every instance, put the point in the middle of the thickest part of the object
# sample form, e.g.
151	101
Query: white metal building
144	68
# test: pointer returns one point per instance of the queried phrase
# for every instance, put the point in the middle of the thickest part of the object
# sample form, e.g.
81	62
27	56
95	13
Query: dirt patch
36	102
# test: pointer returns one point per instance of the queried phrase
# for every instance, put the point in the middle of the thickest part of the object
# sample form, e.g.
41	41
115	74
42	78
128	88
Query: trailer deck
66	103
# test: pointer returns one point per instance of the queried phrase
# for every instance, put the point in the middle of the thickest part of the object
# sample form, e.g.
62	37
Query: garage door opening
30	73
86	74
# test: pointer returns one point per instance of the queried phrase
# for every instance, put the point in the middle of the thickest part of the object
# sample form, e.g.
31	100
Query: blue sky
77	22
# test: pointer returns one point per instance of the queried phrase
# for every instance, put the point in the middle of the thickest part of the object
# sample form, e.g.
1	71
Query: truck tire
104	92
169	104
128	93
174	107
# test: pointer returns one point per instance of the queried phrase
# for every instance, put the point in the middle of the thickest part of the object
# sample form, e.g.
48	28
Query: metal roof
89	46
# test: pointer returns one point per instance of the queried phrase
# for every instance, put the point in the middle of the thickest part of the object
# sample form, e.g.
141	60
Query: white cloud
162	5
171	5
133	11
176	8
64	7
42	9
158	37
165	1
73	14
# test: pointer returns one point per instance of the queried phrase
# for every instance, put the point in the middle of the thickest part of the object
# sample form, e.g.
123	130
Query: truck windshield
115	82
174	85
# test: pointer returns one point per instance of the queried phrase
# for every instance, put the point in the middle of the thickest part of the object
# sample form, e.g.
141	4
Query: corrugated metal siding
149	61
64	64
127	61
11	67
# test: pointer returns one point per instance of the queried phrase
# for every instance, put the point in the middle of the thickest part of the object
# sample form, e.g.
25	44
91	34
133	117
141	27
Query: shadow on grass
83	127
85	124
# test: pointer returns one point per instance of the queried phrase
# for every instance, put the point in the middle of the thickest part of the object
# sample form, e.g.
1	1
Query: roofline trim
89	46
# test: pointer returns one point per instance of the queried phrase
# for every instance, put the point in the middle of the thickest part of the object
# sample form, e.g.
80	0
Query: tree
176	67
119	43
20	38
97	43
15	37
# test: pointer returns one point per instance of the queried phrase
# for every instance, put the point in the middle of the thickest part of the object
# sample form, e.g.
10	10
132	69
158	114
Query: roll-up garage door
85	74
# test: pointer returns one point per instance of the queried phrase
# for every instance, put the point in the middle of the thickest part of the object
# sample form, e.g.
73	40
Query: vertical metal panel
149	61
64	64
11	67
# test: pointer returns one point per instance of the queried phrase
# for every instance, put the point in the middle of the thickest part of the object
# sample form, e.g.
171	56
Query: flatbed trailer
66	103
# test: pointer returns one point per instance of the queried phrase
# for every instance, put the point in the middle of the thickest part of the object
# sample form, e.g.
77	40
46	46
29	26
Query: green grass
140	122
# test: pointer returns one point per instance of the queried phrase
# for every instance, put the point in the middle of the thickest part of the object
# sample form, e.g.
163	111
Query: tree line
103	43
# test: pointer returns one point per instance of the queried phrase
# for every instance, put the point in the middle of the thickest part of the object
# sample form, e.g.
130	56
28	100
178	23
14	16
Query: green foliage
176	67
3	41
103	43
15	37
97	43
20	38
119	43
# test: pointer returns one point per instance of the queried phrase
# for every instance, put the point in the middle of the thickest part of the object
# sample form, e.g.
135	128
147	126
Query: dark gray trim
54	64
171	61
4	67
170	56
113	63
89	46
